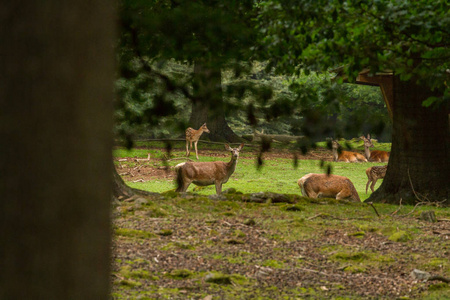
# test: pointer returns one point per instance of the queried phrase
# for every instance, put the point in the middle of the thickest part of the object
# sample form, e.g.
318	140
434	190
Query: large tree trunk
120	190
208	105
56	91
419	158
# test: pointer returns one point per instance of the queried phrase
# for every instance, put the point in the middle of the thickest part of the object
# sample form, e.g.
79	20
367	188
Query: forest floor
249	246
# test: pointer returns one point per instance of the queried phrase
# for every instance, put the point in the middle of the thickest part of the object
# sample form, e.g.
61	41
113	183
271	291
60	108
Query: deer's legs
367	185
373	184
218	188
187	148
310	193
339	196
183	187
343	195
196	152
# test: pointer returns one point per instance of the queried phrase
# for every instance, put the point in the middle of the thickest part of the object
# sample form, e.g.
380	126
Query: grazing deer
331	186
375	155
373	174
193	135
207	173
346	156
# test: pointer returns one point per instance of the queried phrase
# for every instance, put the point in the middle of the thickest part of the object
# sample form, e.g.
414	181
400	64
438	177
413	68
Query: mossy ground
324	250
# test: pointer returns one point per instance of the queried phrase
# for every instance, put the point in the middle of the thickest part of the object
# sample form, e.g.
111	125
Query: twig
226	223
398	209
438	277
422	198
412	187
319	272
143	159
139	180
179	158
313	217
334	217
371	204
415	206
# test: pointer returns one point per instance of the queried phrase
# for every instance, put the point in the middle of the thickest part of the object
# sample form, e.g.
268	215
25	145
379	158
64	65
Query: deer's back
326	185
379	171
204	171
347	156
378	155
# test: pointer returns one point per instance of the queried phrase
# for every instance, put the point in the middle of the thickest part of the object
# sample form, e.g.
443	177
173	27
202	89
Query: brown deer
207	173
193	135
331	186
346	156
375	155
373	174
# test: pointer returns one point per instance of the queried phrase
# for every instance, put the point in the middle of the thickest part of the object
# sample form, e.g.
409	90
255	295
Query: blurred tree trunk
420	156
208	105
56	91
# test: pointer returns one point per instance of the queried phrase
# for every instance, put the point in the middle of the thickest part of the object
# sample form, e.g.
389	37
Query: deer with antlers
331	186
207	173
373	174
375	155
346	156
192	136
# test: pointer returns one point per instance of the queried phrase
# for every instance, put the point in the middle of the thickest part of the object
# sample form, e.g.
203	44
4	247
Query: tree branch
440	278
371	204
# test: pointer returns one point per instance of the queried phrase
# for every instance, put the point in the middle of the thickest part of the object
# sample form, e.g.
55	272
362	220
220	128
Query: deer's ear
227	147
241	146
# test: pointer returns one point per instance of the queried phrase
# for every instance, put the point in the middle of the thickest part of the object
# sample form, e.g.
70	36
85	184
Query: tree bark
208	104
418	167
56	91
120	190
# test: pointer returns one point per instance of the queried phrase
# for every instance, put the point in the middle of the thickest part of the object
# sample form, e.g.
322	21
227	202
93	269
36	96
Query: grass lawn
275	175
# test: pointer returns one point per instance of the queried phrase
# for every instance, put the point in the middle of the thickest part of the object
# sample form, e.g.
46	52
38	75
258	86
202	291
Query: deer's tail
178	169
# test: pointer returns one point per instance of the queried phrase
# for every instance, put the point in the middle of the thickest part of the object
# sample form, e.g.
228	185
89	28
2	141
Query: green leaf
430	101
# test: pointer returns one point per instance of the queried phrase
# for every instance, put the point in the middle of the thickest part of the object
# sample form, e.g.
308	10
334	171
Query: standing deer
207	173
373	174
332	186
375	155
346	156
193	135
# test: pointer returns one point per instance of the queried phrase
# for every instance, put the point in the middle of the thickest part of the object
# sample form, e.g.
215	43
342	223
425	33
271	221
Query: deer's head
204	128
367	141
234	151
335	145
